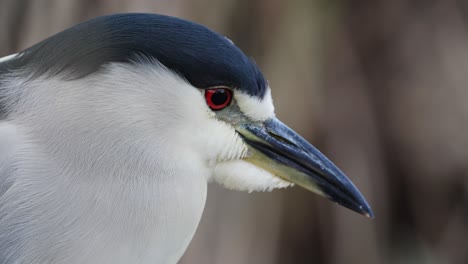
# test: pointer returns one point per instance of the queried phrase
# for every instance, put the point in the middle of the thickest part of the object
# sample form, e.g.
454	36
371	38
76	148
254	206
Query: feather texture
112	167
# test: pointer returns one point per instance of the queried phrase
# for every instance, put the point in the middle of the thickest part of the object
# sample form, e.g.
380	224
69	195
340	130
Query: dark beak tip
356	203
363	209
367	211
363	206
369	215
350	196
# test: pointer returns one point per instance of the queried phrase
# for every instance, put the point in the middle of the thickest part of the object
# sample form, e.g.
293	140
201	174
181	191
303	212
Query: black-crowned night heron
111	130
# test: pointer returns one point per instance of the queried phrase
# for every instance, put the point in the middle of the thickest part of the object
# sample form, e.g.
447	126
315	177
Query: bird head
190	88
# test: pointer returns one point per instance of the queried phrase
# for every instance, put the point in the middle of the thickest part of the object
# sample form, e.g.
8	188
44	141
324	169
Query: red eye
218	98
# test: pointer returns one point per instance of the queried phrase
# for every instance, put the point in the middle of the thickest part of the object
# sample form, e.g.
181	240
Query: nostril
282	139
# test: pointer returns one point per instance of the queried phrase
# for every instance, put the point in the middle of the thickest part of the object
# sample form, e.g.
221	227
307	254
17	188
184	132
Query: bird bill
276	148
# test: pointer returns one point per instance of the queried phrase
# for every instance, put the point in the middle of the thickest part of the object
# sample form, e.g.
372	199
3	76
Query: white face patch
244	176
255	108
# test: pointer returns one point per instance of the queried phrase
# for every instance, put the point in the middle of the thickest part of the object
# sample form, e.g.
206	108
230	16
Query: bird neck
108	184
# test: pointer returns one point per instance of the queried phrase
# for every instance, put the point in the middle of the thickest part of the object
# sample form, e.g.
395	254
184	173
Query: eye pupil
218	98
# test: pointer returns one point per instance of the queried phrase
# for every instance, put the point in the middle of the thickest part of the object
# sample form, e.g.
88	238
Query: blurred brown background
380	86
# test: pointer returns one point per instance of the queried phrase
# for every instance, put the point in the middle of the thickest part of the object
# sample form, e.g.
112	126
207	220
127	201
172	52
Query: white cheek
244	176
255	108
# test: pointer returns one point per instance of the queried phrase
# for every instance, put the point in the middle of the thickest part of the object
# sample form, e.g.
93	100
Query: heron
111	130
